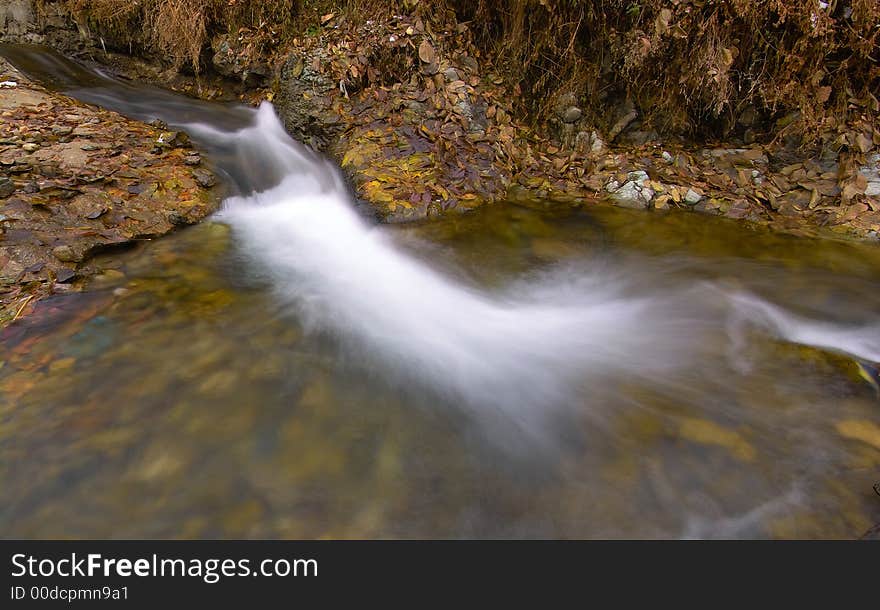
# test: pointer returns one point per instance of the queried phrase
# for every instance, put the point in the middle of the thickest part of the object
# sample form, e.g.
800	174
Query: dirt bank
75	181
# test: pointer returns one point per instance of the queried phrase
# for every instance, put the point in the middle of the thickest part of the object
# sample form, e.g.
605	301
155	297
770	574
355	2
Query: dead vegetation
800	71
180	30
781	68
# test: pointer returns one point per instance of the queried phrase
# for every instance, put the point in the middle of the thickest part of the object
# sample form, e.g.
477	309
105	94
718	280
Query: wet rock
178	219
303	100
204	178
173	139
192	159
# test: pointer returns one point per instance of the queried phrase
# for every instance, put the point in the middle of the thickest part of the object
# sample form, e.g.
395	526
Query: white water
522	355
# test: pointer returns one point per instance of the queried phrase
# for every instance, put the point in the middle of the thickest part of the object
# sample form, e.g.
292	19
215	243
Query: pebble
30	147
692	197
64	253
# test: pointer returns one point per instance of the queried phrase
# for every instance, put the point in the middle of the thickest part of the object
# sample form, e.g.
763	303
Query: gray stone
634	193
572	114
597	144
204	178
692	197
16	19
871	172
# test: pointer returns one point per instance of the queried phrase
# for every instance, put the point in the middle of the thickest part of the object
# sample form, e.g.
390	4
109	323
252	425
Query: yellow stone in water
706	432
860	430
61	364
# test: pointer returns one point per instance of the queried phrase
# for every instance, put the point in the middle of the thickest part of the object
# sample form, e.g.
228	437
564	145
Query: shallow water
293	370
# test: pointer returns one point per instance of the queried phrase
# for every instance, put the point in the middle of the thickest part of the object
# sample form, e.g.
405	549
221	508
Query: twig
21	309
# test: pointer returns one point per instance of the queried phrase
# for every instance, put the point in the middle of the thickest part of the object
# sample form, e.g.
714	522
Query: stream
292	369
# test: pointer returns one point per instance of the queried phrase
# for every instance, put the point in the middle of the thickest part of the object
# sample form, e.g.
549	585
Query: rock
17	17
597	144
178	219
65	254
173	139
193	159
638	137
572	114
64	275
667	157
565	100
62	131
7	187
204	178
871	172
30	147
692	197
629	114
634	193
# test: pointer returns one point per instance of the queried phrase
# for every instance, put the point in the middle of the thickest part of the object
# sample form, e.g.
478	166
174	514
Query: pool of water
181	398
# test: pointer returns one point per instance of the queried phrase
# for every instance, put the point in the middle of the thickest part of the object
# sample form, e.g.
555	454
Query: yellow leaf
860	430
706	432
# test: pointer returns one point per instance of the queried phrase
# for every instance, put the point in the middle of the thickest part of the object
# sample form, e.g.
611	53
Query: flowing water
292	369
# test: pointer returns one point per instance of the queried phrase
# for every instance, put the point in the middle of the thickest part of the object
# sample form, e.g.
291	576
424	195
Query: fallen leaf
427	53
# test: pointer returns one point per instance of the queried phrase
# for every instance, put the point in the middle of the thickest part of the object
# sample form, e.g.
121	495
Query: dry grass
694	67
180	29
690	66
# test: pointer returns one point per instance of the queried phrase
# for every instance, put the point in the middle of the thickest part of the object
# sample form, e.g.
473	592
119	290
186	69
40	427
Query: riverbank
76	181
427	120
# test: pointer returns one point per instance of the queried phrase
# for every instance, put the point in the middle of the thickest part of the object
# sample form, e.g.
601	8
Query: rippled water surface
534	370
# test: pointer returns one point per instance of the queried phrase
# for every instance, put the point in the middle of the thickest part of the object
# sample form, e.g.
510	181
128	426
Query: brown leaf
427	53
864	143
